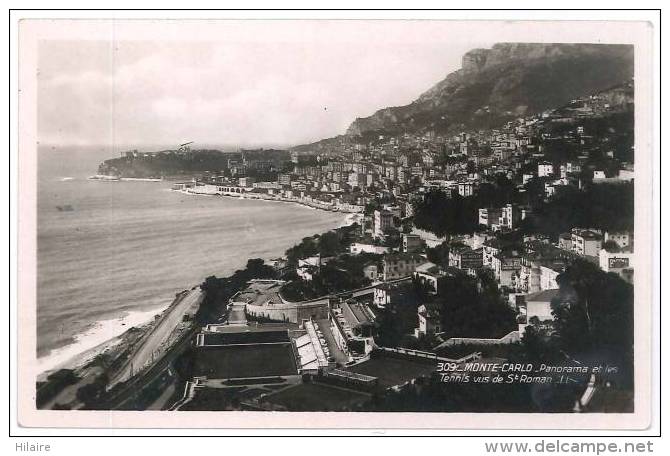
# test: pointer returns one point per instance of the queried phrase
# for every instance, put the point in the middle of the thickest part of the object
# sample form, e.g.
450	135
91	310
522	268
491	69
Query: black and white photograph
347	220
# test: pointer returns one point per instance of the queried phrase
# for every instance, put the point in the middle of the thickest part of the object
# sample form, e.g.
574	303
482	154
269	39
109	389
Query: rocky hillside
506	81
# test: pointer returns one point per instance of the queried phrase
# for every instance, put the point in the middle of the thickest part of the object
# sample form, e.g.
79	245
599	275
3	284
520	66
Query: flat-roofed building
464	257
383	220
509	217
620	262
398	265
394	294
545	169
411	243
506	269
465	188
586	242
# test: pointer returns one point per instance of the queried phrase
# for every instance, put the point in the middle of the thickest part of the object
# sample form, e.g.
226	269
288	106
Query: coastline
128	327
259	197
96	341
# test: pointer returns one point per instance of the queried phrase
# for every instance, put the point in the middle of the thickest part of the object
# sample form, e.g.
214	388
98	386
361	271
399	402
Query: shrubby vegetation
168	163
604	206
219	291
594	316
447	214
340	274
432	395
444	215
397	321
473	307
327	244
439	254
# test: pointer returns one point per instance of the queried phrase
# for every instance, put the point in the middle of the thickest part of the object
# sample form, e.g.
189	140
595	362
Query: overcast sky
253	83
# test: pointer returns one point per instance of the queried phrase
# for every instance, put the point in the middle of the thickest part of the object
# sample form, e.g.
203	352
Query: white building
545	169
620	263
509	215
548	277
401	265
466	188
383	220
586	242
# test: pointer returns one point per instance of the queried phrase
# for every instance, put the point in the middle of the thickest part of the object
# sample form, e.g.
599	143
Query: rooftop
543	296
430	268
404	257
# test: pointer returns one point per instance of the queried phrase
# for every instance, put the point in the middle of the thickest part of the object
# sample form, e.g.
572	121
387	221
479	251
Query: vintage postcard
335	224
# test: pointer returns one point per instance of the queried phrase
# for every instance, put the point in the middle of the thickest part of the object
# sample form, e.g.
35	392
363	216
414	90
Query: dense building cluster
499	177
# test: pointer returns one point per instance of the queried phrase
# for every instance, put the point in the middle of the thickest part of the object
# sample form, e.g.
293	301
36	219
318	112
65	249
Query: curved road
154	341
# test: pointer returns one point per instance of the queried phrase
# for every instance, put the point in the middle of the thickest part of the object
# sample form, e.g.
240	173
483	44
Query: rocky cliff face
506	81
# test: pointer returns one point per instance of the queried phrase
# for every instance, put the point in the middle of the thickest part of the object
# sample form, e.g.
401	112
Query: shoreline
96	341
88	345
247	196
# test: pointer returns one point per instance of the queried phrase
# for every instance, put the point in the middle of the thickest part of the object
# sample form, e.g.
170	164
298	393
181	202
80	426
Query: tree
329	244
473	307
611	246
219	290
407	225
536	348
604	206
442	214
593	315
439	254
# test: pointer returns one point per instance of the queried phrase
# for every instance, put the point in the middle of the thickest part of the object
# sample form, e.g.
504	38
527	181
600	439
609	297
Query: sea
112	255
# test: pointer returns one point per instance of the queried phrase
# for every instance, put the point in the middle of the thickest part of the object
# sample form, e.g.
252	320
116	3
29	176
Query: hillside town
465	249
499	178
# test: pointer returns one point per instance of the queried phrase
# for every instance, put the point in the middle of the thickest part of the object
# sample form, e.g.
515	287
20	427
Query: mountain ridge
501	83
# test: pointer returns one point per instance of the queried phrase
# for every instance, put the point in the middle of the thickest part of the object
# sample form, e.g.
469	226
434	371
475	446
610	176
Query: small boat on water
65	208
